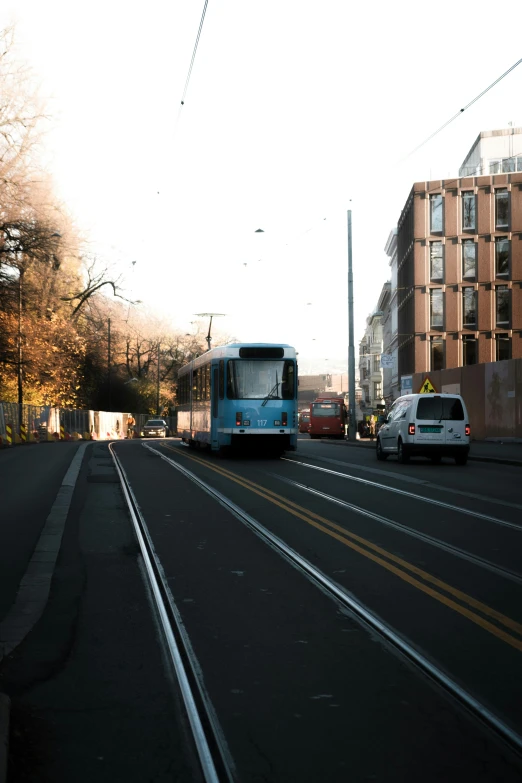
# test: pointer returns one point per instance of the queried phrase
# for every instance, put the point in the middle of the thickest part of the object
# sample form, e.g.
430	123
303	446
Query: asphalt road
302	689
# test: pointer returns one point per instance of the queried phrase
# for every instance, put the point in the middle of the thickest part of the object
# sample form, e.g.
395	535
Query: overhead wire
460	111
187	80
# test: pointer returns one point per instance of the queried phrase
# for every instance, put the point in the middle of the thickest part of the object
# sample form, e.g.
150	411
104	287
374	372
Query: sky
296	112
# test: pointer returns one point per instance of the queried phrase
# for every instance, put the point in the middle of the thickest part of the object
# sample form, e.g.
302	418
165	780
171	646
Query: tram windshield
260	380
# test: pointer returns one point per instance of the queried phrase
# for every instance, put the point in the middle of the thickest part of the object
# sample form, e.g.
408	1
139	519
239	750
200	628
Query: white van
428	425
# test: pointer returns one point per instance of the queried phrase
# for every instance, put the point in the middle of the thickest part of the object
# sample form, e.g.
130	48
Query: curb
498	460
471	456
5	706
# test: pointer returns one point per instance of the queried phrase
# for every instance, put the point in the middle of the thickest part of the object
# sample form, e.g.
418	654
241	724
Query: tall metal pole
158	384
20	372
109	362
351	343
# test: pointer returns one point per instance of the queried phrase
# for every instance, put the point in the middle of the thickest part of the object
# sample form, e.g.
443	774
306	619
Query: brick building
459	273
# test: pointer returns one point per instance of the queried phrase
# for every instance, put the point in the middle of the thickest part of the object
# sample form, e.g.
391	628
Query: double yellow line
431	585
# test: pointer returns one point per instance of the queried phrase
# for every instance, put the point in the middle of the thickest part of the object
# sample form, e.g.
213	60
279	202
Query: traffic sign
427	387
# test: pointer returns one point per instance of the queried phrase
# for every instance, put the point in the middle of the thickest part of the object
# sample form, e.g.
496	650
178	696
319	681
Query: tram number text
262	422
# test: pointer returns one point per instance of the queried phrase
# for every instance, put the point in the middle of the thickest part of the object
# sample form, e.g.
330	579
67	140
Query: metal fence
40	423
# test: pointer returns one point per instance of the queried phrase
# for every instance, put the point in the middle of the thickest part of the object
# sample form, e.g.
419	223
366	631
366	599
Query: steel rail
432	540
211	759
367	618
404	492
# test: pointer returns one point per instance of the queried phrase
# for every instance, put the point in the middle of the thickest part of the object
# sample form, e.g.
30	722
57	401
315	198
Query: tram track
215	761
411	495
367	618
401	477
399	526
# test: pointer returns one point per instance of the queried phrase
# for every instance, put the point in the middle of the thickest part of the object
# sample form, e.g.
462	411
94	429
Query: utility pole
109	362
158	384
351	344
20	350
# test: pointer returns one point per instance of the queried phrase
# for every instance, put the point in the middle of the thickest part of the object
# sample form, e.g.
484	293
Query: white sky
296	111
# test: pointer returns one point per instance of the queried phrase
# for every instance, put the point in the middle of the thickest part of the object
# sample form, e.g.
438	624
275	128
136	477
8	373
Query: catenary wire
460	111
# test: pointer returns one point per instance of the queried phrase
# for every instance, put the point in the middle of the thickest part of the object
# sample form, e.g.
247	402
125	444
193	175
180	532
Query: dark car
155	428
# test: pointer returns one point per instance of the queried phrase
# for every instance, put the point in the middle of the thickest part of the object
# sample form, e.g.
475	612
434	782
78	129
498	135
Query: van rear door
429	422
454	421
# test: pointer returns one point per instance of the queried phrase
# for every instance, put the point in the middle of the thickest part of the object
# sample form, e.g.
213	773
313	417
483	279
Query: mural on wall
499	379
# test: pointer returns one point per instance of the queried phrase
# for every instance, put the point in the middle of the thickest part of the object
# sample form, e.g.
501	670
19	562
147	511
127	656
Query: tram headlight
284	419
246	423
277	423
239	418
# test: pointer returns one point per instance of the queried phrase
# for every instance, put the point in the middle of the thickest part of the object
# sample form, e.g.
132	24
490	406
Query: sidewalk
505	453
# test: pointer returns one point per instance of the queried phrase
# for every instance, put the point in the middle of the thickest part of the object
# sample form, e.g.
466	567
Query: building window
437	353
436	213
469	259
468	211
469	307
501	208
377	391
436	262
436	308
377	363
469	350
502	305
519	164
494	166
508	164
503	347
501	256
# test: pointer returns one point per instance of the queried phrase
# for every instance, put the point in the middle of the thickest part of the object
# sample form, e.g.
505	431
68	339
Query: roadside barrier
9	434
23	433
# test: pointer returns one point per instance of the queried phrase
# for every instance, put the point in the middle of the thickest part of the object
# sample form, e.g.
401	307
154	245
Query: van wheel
402	455
461	459
381	456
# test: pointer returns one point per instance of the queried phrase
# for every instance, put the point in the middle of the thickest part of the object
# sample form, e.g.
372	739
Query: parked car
428	425
154	428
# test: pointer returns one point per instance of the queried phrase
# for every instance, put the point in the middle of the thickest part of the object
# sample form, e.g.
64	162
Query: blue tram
243	394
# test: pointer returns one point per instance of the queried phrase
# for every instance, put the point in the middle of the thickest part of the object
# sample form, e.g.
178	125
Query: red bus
328	418
304	421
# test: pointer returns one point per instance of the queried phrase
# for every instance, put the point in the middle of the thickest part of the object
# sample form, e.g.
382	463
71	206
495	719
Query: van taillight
411	429
239	417
284	419
467	430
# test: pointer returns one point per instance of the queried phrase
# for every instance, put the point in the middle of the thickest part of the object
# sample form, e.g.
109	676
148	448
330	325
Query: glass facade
469	259
502	347
501	256
436	213
469	307
436	308
501	208
468	211
469	350
436	262
436	353
502	305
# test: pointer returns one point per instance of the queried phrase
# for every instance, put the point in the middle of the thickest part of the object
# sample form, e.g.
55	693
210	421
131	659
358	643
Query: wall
492	393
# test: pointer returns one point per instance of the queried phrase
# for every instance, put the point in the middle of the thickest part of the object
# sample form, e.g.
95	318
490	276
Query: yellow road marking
344	538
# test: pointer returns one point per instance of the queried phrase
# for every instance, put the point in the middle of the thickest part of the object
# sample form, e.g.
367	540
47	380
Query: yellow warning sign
427	387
